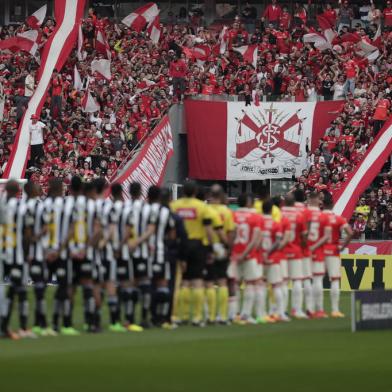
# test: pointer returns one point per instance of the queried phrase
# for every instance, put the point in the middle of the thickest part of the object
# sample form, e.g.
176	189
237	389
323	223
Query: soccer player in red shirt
271	245
319	233
332	250
295	230
244	265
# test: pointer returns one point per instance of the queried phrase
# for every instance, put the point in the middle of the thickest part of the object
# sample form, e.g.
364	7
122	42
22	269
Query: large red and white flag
154	30
35	20
150	164
198	52
249	53
102	67
80	52
139	18
366	171
68	15
223	40
90	104
102	44
27	41
238	142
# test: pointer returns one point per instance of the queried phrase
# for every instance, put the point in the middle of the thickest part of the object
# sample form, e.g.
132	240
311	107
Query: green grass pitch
314	356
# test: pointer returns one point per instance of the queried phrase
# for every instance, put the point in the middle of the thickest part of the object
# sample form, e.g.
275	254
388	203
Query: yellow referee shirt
276	214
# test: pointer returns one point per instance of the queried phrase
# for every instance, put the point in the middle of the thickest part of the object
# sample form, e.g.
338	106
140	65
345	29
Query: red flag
35	20
370	166
350	37
249	53
324	22
138	19
26	42
154	30
102	45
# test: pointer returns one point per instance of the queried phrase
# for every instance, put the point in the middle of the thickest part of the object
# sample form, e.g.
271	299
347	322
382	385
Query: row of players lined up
128	250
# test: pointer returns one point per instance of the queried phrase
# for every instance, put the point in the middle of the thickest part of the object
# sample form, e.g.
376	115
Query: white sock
335	295
2	300
248	301
296	296
285	293
278	294
318	294
308	294
260	297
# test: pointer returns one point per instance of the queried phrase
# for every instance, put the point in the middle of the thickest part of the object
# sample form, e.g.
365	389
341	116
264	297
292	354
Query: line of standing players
125	253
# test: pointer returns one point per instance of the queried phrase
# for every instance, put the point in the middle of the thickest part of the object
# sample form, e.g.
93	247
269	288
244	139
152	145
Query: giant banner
232	141
149	166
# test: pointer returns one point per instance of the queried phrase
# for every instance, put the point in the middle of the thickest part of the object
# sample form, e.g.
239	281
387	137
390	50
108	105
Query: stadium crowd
191	59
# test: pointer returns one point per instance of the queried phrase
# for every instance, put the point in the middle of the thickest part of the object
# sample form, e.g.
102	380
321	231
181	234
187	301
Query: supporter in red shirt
178	71
272	13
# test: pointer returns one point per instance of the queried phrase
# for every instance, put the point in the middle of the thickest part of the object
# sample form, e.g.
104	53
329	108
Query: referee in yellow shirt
198	223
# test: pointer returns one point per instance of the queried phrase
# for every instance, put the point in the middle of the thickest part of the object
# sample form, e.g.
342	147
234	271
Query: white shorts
318	268
333	267
274	274
307	268
284	269
248	270
295	269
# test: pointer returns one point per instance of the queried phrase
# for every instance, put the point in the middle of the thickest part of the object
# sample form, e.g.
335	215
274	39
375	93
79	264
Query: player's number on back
313	231
242	234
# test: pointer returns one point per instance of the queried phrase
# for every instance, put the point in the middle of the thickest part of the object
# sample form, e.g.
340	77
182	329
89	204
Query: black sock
23	307
89	305
113	309
40	305
9	302
145	290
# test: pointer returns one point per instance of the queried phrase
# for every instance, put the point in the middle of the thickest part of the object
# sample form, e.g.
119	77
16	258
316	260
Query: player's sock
233	299
40	305
113	309
285	294
23	307
279	302
98	317
248	301
7	309
198	302
184	303
260	299
223	299
162	298
145	290
308	294
318	293
296	296
335	295
89	305
211	303
129	297
67	312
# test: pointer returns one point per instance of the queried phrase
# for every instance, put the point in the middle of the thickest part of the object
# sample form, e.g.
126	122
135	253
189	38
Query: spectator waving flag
81	53
102	67
249	53
78	85
27	42
90	104
154	30
35	20
138	19
102	45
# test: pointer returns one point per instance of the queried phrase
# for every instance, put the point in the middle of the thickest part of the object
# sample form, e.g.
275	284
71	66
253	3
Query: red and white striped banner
150	165
346	198
68	14
237	142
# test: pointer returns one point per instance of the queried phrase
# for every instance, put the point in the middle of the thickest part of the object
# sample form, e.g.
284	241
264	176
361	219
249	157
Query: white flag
78	85
90	104
102	67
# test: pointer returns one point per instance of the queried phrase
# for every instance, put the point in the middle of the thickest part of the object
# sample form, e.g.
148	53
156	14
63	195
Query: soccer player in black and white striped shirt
35	230
159	258
144	223
15	266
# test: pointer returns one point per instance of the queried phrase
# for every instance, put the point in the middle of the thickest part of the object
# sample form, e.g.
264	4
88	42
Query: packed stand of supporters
190	60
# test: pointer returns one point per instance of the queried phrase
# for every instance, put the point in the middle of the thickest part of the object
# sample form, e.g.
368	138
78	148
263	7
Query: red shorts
331	250
318	255
276	257
292	252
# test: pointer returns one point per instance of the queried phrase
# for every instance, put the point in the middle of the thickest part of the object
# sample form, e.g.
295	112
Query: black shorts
109	270
39	271
83	269
141	268
195	260
18	274
124	270
161	270
217	270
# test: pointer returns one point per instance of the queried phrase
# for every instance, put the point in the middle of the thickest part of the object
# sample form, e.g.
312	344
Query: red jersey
271	231
318	222
337	223
293	222
305	217
247	221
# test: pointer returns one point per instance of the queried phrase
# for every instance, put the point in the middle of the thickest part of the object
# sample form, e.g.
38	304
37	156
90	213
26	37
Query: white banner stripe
57	44
365	166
